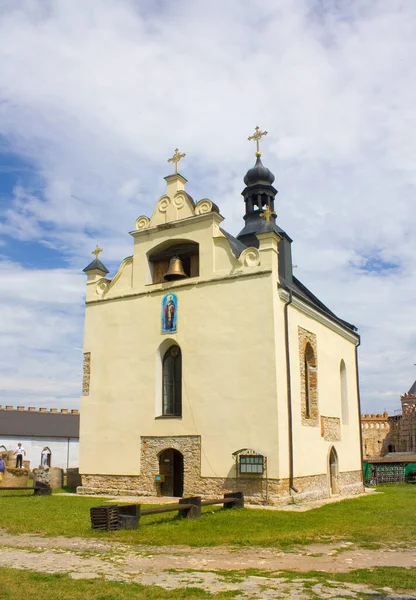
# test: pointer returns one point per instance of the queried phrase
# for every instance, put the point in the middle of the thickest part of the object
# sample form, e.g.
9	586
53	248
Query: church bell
175	270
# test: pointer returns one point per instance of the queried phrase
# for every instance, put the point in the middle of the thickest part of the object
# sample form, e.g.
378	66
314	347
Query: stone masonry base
257	488
256	491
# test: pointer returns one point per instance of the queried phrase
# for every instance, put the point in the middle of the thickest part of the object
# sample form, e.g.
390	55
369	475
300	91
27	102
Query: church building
209	367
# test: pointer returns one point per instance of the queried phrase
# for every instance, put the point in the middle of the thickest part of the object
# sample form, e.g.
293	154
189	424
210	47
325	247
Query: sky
94	98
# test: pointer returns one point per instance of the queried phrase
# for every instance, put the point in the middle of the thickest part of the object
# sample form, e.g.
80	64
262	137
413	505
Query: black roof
295	286
96	264
302	291
236	246
39	424
412	390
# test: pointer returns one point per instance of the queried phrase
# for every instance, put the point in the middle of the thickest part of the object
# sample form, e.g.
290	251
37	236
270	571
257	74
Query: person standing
44	460
2	468
19	452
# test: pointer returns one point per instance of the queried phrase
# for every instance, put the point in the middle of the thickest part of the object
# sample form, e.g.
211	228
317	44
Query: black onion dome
259	174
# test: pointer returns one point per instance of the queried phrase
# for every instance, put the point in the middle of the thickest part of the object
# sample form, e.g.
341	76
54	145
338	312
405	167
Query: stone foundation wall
257	489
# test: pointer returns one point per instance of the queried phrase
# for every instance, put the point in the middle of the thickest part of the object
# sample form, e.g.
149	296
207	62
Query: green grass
397	578
369	521
17	585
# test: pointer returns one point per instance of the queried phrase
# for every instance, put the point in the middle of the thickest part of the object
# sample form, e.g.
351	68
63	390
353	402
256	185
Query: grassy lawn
17	585
373	519
396	578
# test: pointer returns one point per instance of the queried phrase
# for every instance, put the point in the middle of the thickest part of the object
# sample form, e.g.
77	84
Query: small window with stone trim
172	382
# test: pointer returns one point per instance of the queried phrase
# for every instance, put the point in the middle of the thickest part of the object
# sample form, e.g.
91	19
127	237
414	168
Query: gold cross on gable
256	136
267	214
97	251
176	158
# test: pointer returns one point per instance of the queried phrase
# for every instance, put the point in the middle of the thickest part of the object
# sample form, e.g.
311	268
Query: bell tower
260	216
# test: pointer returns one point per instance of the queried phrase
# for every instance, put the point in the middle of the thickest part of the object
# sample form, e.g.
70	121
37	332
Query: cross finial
267	214
97	251
256	136
176	158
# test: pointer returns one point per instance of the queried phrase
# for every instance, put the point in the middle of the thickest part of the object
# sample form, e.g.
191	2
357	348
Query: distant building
376	430
383	434
40	428
405	428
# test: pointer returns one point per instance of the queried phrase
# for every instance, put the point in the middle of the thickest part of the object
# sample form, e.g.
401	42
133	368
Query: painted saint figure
169	313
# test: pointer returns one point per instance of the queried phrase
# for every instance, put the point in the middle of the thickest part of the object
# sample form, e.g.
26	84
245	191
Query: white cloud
41	323
98	94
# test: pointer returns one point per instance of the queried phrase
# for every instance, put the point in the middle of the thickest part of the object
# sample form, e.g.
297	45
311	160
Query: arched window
310	380
344	392
172	382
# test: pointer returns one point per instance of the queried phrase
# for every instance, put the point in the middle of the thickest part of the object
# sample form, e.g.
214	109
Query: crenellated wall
376	431
62	411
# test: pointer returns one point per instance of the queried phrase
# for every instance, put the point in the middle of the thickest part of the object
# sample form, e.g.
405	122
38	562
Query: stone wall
73	478
331	429
15	478
257	488
383	434
86	374
406	429
308	385
376	431
53	476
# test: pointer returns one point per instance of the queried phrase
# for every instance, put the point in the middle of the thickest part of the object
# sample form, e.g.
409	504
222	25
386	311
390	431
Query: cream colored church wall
225	331
311	449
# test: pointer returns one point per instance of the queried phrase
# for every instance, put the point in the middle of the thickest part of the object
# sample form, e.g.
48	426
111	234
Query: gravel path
178	567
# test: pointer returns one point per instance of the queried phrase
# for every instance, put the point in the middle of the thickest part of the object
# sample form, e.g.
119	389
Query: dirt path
178	567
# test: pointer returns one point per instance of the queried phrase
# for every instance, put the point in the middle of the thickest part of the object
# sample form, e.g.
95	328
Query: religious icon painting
169	313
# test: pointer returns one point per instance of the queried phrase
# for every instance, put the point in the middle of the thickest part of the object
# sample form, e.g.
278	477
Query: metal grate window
252	464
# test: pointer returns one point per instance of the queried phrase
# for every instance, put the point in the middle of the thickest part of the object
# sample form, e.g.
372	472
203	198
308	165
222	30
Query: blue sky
94	97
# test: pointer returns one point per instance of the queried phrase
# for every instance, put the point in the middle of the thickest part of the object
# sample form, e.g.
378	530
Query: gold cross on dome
256	136
267	214
176	158
97	251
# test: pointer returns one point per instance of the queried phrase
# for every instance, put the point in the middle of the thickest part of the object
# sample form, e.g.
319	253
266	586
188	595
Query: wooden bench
230	500
129	515
39	489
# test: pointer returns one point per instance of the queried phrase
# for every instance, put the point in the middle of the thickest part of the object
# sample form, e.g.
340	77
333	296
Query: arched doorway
333	471
171	466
